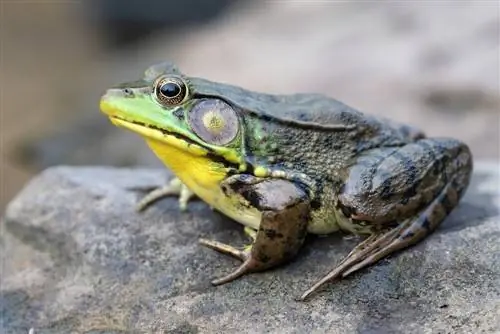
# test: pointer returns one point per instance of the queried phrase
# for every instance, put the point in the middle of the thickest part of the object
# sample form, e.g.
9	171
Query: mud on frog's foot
174	188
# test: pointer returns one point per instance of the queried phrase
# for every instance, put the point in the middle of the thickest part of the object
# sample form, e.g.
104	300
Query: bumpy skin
337	168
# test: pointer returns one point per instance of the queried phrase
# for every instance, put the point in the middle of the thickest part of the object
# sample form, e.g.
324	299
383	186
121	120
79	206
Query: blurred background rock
432	64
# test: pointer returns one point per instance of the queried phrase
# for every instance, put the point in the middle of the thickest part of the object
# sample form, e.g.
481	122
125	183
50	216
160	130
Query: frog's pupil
170	89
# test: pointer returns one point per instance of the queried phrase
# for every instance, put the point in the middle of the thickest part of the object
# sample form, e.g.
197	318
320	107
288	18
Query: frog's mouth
162	135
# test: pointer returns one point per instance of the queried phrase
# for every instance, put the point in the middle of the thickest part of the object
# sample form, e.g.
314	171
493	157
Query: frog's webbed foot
174	188
285	212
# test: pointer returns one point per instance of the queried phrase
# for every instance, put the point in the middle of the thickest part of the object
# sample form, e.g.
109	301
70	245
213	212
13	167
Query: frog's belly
230	207
323	221
329	220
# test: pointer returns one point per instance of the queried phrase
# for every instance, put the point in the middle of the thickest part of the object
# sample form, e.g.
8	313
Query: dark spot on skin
264	258
239	184
342	188
426	224
265	117
315	204
252	196
272	234
393	223
303	232
386	192
436	169
250	169
179	113
346	211
410	192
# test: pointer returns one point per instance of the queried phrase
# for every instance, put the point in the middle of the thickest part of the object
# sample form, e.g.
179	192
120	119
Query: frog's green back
315	109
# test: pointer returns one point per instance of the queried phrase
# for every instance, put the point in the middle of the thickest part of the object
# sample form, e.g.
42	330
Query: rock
77	258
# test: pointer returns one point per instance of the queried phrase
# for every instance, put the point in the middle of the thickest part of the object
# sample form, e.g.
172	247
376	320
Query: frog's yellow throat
189	162
197	172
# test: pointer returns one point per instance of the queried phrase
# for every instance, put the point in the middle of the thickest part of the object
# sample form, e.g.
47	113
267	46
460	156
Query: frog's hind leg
379	245
174	188
408	232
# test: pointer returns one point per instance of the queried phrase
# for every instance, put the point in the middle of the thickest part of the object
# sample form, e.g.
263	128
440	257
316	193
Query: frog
286	166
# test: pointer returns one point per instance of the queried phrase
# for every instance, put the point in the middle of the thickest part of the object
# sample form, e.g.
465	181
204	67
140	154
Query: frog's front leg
404	194
174	188
285	209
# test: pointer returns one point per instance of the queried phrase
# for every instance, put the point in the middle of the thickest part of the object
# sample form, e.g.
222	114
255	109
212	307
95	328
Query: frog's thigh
391	184
285	213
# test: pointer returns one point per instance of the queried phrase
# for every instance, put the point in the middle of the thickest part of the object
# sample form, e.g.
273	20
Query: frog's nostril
128	92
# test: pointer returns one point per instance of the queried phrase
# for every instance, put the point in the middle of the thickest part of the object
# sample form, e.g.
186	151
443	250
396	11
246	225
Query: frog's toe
224	248
250	263
174	188
358	255
184	197
248	266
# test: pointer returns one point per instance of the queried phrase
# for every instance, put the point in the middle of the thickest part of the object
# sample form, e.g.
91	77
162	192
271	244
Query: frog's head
166	108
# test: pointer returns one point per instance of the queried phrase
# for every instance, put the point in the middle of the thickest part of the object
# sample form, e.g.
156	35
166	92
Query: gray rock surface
77	258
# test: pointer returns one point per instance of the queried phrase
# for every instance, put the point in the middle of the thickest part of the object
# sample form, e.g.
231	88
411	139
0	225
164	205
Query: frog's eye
170	91
214	121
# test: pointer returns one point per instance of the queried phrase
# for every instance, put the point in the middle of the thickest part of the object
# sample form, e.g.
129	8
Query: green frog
288	165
